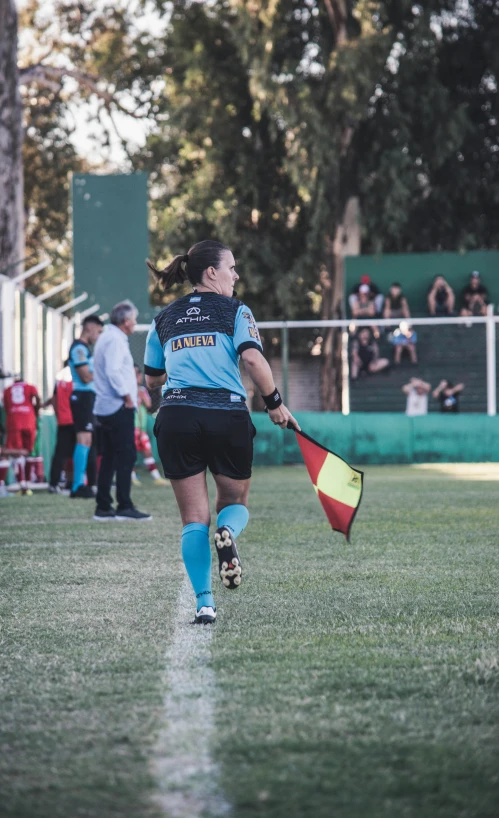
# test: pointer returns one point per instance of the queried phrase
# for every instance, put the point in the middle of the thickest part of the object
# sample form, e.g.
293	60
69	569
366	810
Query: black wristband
273	400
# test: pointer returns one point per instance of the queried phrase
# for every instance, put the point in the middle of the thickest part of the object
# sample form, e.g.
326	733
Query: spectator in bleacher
404	338
475	296
448	395
441	298
417	397
373	293
363	306
365	355
396	305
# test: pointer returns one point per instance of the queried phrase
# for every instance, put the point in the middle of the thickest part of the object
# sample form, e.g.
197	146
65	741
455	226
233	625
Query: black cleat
229	564
205	616
83	493
132	513
103	516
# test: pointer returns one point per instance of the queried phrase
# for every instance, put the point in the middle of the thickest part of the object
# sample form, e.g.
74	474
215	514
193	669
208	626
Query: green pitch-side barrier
379	438
361	438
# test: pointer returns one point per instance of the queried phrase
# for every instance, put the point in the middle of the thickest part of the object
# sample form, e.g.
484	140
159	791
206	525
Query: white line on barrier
186	773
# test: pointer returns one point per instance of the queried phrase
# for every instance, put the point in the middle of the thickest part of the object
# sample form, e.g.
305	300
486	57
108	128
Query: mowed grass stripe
187	775
363	679
86	611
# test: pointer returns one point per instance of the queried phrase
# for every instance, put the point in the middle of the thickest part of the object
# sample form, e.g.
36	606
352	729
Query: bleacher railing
348	327
35	341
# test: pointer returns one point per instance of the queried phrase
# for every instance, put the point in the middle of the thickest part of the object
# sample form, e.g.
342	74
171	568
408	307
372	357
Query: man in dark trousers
115	406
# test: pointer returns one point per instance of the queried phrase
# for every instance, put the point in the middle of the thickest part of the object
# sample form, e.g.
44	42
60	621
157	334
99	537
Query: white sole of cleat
205	616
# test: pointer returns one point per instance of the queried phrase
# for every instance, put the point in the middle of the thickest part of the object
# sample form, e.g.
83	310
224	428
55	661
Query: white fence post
491	362
7	324
345	375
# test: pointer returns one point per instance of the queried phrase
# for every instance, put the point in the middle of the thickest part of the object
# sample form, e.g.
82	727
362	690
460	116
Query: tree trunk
11	176
346	242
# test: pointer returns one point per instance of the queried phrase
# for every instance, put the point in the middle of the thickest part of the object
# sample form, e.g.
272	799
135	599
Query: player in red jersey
66	435
21	403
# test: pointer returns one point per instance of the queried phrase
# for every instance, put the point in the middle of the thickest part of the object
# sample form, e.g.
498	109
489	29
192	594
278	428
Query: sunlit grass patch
463	471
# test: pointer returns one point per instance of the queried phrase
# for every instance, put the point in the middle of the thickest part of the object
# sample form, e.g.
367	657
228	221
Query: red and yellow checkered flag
338	485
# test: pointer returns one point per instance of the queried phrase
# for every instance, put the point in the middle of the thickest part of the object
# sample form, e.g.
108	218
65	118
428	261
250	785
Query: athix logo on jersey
193	314
190	341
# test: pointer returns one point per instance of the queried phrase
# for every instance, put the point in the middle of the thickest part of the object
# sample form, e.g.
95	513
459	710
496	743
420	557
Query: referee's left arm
260	373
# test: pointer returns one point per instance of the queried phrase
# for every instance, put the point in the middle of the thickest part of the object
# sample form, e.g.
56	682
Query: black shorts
191	439
82	409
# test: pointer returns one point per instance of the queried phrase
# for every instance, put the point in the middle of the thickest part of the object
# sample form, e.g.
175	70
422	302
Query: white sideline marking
186	774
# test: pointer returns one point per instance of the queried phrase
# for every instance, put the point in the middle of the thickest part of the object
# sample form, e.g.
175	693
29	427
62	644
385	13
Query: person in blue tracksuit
193	350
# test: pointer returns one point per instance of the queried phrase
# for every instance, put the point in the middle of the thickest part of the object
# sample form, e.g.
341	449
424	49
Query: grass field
341	681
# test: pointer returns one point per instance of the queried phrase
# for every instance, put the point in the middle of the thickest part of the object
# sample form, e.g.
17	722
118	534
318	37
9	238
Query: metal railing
489	321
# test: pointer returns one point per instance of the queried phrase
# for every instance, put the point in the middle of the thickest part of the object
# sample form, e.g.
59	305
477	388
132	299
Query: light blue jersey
198	340
79	355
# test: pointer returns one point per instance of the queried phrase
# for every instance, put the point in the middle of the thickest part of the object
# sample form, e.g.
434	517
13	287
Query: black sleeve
150	370
248	345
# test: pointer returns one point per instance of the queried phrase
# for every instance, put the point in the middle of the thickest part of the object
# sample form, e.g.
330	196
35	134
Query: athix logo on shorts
193	314
176	394
191	341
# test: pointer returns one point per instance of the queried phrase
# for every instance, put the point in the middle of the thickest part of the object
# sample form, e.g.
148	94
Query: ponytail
190	266
173	273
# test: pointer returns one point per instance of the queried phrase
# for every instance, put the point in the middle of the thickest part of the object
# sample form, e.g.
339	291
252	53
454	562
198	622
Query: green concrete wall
377	438
415	271
362	438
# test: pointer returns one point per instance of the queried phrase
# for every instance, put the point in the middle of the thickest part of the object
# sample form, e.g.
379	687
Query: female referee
193	347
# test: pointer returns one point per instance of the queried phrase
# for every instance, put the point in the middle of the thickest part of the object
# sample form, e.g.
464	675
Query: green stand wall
415	272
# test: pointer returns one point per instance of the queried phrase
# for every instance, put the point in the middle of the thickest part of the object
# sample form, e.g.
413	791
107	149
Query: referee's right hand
282	416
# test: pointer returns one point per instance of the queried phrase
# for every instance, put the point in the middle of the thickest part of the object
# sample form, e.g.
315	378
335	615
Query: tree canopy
265	117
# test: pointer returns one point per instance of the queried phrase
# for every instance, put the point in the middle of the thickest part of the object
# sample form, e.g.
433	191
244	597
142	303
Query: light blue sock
196	553
234	517
80	457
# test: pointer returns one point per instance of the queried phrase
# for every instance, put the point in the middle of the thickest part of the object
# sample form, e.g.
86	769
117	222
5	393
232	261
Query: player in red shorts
21	403
142	442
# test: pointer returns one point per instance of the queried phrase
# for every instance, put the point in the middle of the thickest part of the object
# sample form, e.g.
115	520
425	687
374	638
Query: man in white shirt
115	405
417	397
